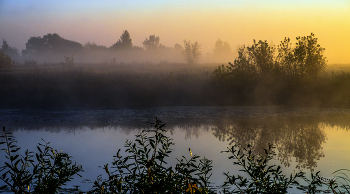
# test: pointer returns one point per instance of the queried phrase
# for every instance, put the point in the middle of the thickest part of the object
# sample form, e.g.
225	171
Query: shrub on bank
45	172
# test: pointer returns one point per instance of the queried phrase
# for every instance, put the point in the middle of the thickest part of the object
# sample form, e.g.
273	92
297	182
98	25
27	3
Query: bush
263	178
22	174
261	59
145	169
5	61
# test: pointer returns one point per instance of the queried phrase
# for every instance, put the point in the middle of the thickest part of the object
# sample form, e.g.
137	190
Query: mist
86	75
66	73
52	48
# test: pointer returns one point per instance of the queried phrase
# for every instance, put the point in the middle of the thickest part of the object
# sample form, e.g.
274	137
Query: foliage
263	178
10	51
50	44
152	43
309	56
286	57
264	74
262	55
164	85
266	178
92	46
341	182
191	52
305	59
5	61
48	174
145	170
252	61
124	42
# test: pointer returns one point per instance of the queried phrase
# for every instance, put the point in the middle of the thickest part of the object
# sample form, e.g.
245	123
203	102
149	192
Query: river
305	138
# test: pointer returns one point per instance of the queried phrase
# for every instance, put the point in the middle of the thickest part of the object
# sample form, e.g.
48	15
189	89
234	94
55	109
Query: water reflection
301	139
296	138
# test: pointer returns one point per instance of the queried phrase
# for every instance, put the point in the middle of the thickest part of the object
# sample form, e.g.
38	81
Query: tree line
261	59
290	74
54	44
287	74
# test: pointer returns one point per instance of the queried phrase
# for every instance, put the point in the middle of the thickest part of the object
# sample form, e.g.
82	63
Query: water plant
47	172
144	169
262	177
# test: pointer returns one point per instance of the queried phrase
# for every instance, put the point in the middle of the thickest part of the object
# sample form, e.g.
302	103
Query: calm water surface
307	139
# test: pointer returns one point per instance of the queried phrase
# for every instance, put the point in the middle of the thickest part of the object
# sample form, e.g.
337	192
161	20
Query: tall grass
144	85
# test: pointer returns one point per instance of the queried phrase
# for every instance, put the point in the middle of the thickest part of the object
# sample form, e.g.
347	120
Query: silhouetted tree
309	56
124	42
50	43
152	43
10	51
191	52
285	58
262	55
137	48
5	60
93	46
244	65
260	59
257	59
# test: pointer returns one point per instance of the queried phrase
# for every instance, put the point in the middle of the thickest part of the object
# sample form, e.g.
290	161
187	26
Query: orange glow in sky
205	21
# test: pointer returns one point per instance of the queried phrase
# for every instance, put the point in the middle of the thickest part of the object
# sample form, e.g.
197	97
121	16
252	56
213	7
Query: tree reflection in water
301	139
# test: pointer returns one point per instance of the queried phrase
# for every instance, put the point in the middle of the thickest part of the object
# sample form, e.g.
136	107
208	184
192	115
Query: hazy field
162	84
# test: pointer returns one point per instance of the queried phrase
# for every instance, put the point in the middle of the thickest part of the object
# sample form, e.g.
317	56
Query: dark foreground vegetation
143	168
262	74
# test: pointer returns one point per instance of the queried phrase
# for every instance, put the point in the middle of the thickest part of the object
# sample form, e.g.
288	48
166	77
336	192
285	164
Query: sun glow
205	21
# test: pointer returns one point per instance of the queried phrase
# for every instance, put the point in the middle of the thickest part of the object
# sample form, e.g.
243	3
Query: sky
236	21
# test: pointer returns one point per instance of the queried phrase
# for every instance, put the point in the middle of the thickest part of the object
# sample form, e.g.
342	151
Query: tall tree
152	43
309	56
191	52
285	58
124	42
263	56
5	60
51	43
10	51
305	59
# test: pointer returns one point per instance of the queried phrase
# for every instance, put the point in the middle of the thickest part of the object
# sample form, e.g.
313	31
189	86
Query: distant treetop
124	42
152	43
50	43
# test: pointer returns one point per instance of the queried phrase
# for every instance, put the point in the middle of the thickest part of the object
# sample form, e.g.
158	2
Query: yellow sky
205	21
238	27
